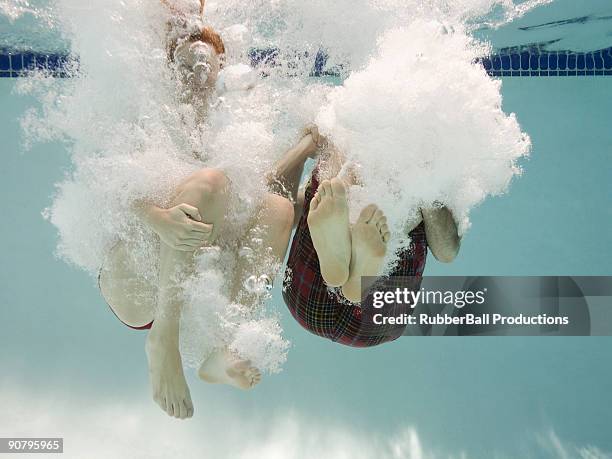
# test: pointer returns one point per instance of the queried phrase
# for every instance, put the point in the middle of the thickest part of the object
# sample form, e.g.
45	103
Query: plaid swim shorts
324	312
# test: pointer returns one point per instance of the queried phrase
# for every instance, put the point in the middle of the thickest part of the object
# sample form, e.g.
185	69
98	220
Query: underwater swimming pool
482	397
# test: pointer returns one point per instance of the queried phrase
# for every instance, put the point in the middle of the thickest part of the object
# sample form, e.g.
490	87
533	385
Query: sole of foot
328	222
369	238
222	367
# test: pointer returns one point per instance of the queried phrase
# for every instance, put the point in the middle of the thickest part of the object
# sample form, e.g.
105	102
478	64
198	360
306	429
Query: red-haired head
198	56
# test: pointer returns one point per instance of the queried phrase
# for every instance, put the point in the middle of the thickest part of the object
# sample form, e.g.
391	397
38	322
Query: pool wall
509	62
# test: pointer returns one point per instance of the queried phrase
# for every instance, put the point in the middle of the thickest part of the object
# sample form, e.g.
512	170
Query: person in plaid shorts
328	257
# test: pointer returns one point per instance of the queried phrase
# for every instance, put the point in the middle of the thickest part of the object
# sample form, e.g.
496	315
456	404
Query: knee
213	180
282	210
205	184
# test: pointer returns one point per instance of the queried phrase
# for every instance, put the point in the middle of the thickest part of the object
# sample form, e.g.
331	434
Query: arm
179	227
177	12
173	9
287	172
441	232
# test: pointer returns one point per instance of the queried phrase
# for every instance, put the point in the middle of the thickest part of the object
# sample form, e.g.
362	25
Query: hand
317	141
181	227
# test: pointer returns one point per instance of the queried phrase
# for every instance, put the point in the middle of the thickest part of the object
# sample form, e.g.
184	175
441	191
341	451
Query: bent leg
208	191
132	298
287	172
271	229
137	302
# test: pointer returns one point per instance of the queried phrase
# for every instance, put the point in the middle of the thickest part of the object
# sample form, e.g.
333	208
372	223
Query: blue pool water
486	397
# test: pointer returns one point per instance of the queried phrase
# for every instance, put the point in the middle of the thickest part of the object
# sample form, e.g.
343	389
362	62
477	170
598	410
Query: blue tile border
509	62
14	65
533	61
5	62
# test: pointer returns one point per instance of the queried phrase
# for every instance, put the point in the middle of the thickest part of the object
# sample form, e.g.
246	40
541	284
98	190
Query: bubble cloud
422	121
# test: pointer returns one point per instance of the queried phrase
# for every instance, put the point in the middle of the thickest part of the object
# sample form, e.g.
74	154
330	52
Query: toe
327	189
171	406
253	374
188	407
337	187
250	376
178	405
190	411
378	215
321	190
366	213
182	410
164	403
314	202
242	380
242	374
253	379
386	237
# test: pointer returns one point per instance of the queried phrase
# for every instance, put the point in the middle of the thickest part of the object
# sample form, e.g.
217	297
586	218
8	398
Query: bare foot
170	389
369	246
328	221
221	367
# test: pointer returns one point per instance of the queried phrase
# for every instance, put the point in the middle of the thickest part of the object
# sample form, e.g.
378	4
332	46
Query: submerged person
196	216
329	258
